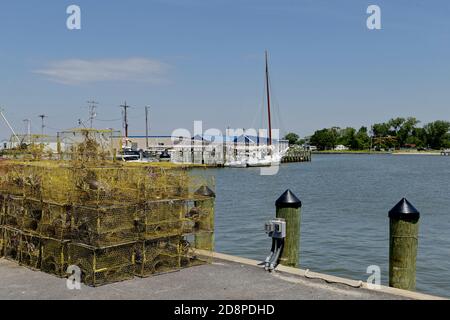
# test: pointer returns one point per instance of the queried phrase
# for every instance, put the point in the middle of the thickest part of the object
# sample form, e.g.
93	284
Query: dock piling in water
288	207
205	240
403	242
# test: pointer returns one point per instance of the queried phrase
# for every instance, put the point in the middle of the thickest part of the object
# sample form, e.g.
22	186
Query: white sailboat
236	164
266	156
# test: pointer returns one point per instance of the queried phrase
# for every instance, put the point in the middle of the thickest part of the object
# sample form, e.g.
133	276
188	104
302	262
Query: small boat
236	164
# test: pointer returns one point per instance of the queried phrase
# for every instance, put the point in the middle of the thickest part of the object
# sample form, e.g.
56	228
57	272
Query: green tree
437	134
346	137
324	139
406	131
380	130
362	139
395	125
293	138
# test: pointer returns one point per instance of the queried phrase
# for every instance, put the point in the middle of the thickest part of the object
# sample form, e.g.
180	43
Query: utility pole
125	117
28	126
93	105
42	116
146	126
125	120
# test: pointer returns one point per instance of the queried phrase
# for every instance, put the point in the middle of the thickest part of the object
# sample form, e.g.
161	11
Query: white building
341	147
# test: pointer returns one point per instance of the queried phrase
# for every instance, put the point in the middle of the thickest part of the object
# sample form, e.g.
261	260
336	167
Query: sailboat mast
268	99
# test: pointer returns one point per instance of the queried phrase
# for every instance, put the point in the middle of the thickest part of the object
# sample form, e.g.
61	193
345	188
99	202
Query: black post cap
404	210
288	200
205	191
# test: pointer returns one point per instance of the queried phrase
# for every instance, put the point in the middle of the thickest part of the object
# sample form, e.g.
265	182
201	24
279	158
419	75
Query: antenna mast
146	126
268	99
93	105
42	116
28	126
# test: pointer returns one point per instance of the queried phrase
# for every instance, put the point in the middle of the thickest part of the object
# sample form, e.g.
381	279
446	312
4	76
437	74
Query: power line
109	120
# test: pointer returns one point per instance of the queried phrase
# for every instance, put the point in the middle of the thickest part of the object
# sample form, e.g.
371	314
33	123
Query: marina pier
228	277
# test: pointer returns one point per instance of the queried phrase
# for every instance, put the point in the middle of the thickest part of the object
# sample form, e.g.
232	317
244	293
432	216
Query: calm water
346	199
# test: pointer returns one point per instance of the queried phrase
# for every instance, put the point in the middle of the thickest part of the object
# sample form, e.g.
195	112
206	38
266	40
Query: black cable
276	256
269	258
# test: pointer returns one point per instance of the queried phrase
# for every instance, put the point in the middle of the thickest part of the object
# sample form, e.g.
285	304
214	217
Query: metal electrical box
276	228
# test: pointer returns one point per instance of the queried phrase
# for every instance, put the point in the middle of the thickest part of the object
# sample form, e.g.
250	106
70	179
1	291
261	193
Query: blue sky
204	60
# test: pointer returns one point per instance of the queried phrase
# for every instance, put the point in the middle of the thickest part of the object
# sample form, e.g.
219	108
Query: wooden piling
288	207
204	239
403	242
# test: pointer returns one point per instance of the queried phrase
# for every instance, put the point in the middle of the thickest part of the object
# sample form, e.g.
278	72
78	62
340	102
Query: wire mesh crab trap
86	144
190	255
157	256
22	247
2	242
56	221
2	208
54	256
32	215
111	219
160	219
14	211
100	266
103	226
11	243
30	250
94	184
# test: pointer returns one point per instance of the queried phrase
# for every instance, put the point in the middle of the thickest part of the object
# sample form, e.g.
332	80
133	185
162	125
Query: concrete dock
227	278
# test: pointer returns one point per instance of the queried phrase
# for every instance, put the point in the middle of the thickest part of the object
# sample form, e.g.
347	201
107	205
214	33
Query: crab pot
104	226
11	245
3	202
103	265
157	256
161	219
190	255
32	215
55	221
2	242
15	211
54	256
30	251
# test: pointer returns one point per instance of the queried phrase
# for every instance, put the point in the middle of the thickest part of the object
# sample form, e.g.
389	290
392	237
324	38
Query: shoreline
417	154
350	153
405	153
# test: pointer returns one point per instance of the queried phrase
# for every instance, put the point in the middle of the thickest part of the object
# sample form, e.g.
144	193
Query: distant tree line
395	134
